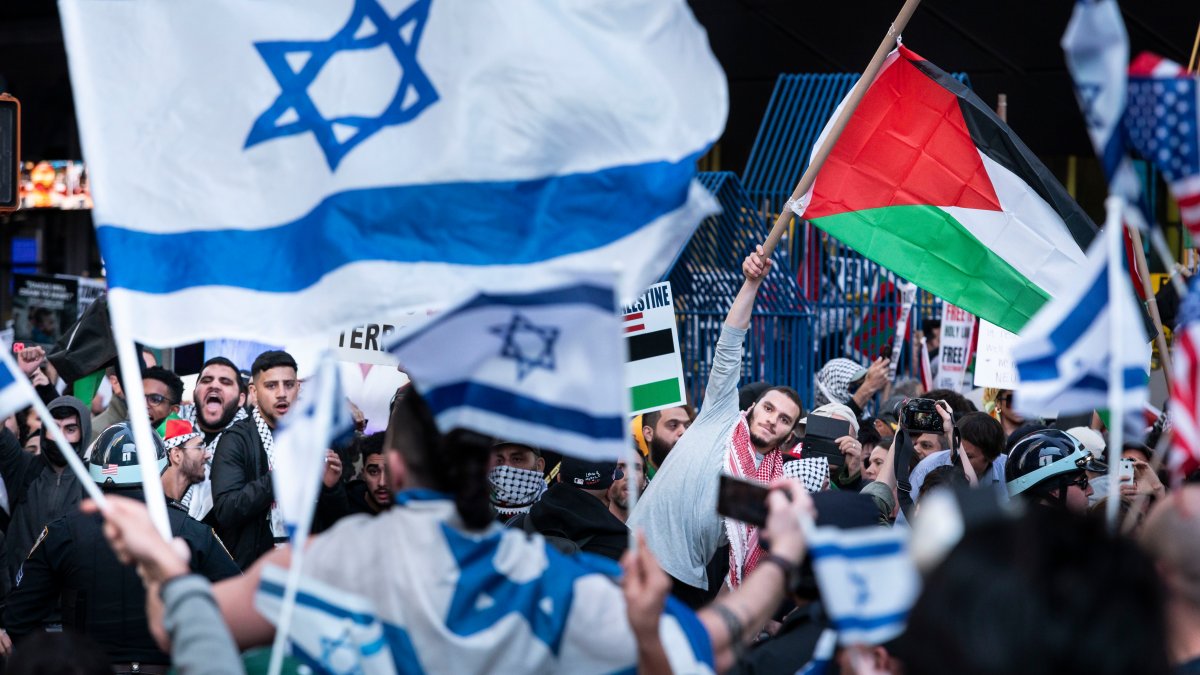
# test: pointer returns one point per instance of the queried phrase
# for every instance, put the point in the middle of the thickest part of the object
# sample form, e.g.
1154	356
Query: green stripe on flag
651	394
930	248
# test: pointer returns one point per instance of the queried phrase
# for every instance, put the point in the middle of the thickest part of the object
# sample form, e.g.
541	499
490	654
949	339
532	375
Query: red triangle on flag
906	144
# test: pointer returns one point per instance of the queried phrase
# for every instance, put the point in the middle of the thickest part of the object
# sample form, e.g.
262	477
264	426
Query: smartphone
820	438
742	500
1125	471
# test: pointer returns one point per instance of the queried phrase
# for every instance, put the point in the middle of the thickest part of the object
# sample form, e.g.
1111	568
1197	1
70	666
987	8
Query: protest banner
994	365
954	352
43	307
653	369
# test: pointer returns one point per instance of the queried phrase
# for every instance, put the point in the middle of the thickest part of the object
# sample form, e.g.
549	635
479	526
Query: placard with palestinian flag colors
654	369
927	181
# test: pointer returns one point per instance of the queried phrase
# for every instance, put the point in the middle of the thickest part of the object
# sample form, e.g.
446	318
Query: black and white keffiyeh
812	471
268	440
833	381
515	490
198	499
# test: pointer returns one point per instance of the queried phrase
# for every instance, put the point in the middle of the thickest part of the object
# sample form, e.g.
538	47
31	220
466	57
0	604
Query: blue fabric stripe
318	604
465	223
869	622
511	404
420	495
6	376
856	552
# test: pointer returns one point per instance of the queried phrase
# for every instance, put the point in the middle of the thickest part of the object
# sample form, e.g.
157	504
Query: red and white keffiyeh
744	552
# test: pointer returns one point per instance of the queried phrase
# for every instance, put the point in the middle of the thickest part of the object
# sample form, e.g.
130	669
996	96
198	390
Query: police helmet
1045	461
113	458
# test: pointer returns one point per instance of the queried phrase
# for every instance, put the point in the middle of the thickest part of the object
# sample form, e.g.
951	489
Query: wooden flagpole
839	124
1143	270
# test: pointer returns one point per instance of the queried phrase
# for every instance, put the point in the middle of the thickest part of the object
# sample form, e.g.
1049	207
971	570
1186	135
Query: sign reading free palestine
653	368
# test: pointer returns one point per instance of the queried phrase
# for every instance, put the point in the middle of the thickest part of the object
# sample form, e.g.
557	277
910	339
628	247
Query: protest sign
994	365
43	307
653	369
954	352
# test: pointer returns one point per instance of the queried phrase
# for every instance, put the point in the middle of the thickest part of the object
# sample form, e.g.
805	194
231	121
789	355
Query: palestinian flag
928	182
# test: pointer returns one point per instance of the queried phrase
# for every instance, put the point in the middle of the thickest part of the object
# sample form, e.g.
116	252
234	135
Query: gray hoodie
39	491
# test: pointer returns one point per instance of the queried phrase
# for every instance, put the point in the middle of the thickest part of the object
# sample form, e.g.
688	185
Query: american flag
1184	456
109	470
1162	121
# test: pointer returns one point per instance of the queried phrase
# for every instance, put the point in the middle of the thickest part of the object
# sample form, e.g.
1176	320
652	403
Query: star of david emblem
531	346
296	64
335	658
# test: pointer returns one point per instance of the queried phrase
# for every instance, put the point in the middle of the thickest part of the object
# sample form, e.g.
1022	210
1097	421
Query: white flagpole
1116	390
130	363
51	427
299	538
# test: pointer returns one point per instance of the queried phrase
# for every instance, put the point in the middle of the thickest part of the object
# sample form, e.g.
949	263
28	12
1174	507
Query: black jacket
37	492
101	597
356	495
568	512
243	495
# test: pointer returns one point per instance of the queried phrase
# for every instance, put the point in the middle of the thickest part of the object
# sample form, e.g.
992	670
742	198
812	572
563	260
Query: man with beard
217	402
40	487
185	460
661	430
244	508
618	492
369	493
678	512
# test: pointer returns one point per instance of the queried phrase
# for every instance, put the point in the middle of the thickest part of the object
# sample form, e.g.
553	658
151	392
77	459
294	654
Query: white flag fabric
1062	354
15	390
544	368
274	168
319	420
868	581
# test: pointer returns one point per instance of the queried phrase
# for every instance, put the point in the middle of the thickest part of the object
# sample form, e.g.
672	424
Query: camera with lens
919	415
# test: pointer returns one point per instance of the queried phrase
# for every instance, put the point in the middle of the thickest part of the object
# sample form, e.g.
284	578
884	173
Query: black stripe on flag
649	345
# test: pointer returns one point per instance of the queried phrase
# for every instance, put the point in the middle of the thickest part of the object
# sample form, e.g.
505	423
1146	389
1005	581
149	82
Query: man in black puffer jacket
576	509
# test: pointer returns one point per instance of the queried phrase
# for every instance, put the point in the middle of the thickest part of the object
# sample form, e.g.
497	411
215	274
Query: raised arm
754	268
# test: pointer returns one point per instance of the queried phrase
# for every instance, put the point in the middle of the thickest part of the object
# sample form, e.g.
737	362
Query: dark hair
272	359
455	463
371	445
983	432
63	412
791	394
1023	597
174	384
958	403
868	435
943	476
243	388
651	419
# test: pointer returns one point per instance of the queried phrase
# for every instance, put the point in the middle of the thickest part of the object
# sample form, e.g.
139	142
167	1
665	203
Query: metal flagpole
1114	229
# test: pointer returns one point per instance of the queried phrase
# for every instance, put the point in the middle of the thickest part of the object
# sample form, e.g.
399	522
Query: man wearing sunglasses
1049	468
163	390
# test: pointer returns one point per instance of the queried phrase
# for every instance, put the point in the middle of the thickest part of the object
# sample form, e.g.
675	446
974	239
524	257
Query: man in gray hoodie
41	488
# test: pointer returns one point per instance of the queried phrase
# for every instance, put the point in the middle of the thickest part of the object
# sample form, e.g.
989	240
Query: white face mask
515	490
1099	490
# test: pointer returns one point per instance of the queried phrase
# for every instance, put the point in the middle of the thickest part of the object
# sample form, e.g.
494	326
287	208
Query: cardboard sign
653	368
954	351
43	307
994	365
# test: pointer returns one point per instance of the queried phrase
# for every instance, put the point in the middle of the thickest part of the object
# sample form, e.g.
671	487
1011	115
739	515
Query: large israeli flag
868	581
1062	354
15	390
273	168
544	368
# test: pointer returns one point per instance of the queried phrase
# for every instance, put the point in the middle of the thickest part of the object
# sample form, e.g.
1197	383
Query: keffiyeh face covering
515	490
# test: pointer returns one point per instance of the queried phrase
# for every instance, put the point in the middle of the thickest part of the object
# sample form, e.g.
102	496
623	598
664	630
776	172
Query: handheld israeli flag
868	581
280	167
15	390
319	421
544	368
1062	355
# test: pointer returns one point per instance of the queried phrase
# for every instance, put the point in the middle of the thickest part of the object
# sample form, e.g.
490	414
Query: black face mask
50	450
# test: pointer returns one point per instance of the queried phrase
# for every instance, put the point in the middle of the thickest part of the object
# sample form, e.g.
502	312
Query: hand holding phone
1125	471
742	500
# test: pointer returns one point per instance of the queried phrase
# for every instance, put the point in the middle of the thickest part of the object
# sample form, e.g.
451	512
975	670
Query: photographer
979	451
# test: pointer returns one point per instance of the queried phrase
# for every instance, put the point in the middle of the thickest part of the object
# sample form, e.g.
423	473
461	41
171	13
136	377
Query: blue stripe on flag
511	404
580	294
870	623
855	552
483	223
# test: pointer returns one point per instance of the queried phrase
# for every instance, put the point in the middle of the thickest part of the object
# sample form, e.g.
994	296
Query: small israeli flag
1062	354
868	582
543	367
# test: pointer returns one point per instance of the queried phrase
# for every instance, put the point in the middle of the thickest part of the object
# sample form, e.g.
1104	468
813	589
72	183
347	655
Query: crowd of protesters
1023	576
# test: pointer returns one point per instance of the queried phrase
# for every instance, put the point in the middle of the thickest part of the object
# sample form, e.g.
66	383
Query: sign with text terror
954	351
653	369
